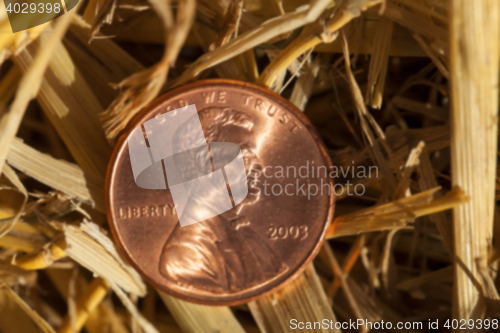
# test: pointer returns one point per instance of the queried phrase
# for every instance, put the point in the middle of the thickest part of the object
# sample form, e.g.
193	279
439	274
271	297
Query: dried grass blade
29	86
474	65
303	299
194	318
72	108
387	266
96	252
396	214
61	175
303	86
230	69
411	165
377	71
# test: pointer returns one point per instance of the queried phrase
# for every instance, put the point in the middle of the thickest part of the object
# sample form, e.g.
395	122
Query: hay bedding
409	86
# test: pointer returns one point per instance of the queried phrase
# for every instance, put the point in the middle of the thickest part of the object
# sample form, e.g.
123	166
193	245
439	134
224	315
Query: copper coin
266	234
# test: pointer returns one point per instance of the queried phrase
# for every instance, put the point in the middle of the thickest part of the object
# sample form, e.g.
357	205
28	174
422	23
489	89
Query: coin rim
225	300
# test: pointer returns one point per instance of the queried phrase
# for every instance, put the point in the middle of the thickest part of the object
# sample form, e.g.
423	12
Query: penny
262	212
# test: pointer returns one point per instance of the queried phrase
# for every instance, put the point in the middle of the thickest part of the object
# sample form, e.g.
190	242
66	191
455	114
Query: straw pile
408	86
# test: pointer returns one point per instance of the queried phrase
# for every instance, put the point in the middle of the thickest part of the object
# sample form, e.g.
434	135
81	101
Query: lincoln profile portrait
222	254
